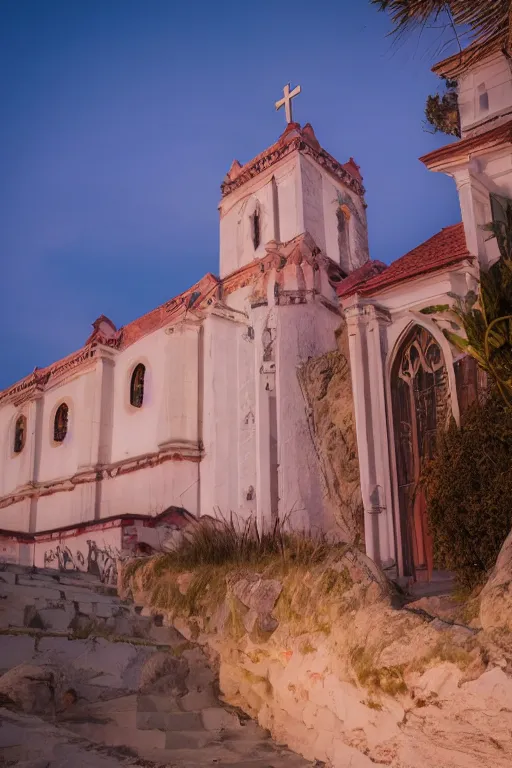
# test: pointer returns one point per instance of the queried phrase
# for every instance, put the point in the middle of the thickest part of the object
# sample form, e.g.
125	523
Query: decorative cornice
296	141
206	297
169	452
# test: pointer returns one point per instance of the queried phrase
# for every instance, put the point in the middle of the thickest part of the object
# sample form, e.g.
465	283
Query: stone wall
326	659
327	388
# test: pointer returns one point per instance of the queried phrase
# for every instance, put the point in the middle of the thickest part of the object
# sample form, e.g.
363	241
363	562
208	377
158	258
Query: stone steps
77	604
138	686
163	728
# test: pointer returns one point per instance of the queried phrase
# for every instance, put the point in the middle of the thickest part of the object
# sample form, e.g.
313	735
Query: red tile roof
487	140
359	277
446	248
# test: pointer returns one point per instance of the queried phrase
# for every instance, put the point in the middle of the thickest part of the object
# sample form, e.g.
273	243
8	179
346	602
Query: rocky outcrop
496	596
321	655
327	388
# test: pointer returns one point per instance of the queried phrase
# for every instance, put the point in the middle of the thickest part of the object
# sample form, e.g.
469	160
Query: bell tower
292	188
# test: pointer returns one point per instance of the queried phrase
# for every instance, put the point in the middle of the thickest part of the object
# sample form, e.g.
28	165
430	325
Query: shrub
468	487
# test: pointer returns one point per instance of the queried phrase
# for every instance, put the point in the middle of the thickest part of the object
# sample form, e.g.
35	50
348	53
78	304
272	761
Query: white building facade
407	379
196	409
195	406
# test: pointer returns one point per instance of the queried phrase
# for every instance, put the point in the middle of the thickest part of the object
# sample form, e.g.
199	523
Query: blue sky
120	118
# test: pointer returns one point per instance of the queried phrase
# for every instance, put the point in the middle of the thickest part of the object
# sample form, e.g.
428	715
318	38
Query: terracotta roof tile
445	248
486	140
359	277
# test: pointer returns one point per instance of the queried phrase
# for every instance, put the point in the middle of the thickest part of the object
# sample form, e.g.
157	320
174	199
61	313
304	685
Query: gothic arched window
60	423
20	434
137	386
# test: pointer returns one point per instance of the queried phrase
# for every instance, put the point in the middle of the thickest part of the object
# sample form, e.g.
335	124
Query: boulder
496	596
31	689
259	595
164	673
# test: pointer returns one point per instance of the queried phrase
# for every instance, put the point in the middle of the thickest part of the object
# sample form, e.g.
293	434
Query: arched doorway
420	397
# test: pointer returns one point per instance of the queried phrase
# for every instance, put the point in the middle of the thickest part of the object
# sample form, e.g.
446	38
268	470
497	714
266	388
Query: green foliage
468	487
442	111
487	317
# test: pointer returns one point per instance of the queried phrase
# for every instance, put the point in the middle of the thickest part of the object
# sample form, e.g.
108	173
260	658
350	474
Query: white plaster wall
221	416
303	331
16	517
315	209
151	490
76	505
495	76
135	430
246	426
11	465
289	195
236	244
320	198
94	552
60	460
147	491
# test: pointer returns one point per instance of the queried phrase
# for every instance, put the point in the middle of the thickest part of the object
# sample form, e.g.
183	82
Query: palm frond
485	18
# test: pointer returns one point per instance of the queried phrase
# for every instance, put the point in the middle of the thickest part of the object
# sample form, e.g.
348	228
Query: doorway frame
401	331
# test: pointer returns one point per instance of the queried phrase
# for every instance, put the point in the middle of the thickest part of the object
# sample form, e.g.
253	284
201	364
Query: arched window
60	424
256	232
137	386
20	434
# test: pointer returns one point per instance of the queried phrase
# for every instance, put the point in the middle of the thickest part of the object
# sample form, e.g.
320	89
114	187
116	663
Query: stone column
267	493
381	495
365	325
179	426
474	190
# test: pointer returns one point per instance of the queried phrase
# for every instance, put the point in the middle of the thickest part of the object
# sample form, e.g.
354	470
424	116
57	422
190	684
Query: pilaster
366	324
179	421
95	432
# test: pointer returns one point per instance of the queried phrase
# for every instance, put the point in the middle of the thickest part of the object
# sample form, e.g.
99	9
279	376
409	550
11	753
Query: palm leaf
485	18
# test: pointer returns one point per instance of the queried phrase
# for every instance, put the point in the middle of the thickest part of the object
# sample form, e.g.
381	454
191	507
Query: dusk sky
120	119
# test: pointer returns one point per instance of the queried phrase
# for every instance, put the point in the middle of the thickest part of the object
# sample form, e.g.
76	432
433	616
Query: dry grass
234	543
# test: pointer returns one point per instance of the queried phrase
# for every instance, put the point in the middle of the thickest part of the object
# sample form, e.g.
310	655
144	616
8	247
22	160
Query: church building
196	408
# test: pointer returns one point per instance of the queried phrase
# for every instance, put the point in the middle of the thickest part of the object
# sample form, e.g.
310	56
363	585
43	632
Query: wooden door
419	386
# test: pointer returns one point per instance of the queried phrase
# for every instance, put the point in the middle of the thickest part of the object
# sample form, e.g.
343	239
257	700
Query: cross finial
286	101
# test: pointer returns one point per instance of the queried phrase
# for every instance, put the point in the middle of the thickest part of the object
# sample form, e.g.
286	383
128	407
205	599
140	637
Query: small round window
20	434
60	424
137	386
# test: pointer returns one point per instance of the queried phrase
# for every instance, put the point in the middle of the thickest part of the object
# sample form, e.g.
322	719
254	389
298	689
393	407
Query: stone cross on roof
286	101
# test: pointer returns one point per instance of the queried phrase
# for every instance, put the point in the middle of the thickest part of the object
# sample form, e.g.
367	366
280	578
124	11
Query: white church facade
196	406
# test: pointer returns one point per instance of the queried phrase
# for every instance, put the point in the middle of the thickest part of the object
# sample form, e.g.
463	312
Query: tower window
342	216
60	423
20	434
137	386
256	226
483	98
